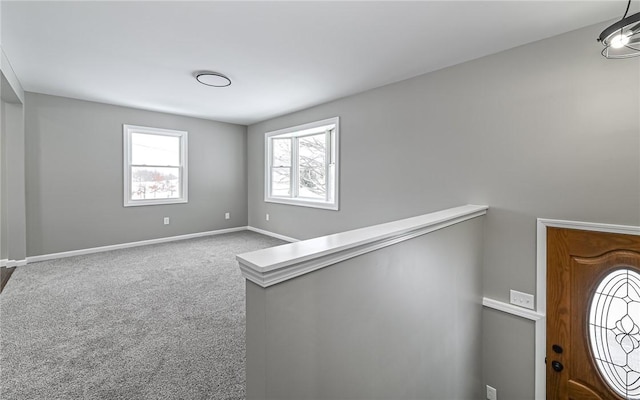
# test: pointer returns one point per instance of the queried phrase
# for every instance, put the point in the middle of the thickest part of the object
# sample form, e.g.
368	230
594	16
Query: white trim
302	203
540	367
589	226
541	285
272	234
277	264
10	75
540	339
127	131
512	309
12	263
100	249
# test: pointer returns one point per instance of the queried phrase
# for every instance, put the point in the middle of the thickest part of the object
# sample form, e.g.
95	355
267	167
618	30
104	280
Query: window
155	166
302	165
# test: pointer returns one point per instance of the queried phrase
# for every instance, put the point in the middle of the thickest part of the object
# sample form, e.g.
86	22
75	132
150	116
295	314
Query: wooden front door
593	315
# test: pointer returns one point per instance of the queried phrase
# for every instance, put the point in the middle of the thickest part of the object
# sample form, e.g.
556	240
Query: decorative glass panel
614	331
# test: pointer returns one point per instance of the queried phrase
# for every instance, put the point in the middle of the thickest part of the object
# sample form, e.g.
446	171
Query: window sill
136	203
304	203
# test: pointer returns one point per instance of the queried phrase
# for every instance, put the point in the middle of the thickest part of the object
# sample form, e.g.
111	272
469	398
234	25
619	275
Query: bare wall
13	240
401	322
550	129
3	183
544	130
75	170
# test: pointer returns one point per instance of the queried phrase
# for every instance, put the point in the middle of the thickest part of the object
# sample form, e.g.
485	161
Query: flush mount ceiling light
622	39
214	79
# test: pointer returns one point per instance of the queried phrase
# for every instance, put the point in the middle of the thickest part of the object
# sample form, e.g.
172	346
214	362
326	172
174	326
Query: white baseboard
272	234
64	254
12	263
100	249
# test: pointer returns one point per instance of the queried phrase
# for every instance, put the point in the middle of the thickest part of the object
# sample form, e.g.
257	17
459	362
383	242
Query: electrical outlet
166	220
492	393
266	217
227	215
522	299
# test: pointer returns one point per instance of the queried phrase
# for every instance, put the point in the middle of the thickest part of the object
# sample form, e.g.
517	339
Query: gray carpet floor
163	321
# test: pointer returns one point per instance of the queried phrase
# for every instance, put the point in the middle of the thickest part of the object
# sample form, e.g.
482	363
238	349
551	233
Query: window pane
155	183
312	168
155	149
281	152
281	182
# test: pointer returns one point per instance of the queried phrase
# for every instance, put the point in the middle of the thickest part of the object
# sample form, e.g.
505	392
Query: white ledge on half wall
277	264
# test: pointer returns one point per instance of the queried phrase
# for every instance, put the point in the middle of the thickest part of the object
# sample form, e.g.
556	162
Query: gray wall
12	169
74	176
12	164
3	168
508	354
550	129
13	190
3	183
402	322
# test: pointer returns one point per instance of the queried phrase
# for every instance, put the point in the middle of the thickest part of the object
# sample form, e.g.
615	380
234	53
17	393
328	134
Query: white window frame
127	131
331	201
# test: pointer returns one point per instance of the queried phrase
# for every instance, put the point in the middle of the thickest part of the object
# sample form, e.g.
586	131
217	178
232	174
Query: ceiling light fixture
214	79
622	39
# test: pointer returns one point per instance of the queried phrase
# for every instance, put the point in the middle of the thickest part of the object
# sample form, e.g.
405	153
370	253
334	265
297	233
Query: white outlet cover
492	393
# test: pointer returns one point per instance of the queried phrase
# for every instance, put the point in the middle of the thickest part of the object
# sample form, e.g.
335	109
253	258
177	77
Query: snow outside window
302	165
155	166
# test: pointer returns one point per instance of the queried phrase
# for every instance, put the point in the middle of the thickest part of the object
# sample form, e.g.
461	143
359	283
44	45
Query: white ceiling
281	56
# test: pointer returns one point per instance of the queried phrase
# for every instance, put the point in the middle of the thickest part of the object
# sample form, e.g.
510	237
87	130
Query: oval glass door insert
614	331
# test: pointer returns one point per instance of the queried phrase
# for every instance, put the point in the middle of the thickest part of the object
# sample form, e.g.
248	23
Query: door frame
541	286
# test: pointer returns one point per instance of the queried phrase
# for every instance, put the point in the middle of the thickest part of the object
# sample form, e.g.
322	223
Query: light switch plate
525	300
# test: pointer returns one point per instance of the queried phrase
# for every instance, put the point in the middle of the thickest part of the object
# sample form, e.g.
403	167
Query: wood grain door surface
593	315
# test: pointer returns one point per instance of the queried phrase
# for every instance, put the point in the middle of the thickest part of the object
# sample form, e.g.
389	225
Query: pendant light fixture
622	39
